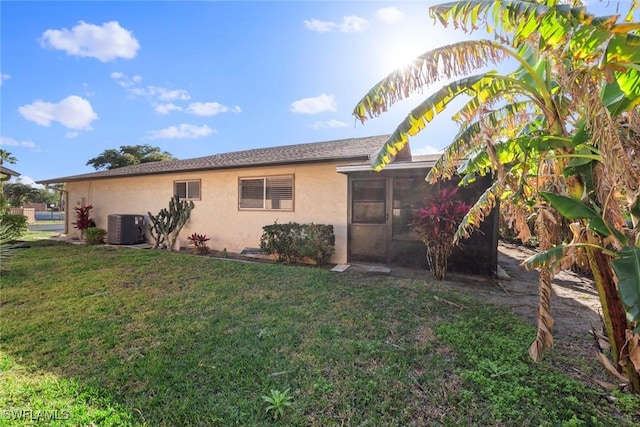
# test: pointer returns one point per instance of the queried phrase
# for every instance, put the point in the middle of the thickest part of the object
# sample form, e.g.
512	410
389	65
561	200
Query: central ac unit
125	229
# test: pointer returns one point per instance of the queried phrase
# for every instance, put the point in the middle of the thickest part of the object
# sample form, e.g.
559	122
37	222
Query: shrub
199	241
278	239
292	242
83	220
16	225
436	225
95	235
319	242
7	235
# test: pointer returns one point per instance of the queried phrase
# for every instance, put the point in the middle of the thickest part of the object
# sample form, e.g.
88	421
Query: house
237	193
6	173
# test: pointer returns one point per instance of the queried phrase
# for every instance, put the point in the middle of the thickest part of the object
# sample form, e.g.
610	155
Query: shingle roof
344	149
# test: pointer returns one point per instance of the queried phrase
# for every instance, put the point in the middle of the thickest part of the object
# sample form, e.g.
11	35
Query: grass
140	337
31	236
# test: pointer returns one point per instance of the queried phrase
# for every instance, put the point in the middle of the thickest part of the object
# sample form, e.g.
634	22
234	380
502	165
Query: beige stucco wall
320	196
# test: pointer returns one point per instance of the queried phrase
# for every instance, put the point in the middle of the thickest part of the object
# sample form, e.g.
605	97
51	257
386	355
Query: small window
187	190
269	193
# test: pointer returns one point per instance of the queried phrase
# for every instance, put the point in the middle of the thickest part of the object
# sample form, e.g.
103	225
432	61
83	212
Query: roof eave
201	169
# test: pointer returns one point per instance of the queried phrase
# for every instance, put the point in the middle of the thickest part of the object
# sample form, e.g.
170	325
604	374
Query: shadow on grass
148	337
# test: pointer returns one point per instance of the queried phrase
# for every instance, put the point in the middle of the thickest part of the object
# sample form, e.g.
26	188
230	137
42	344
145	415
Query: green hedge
17	225
293	242
95	235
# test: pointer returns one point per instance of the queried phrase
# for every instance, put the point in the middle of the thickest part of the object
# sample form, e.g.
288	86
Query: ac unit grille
125	229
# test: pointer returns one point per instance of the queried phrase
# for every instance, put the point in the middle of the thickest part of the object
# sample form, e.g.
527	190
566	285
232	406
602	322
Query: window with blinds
269	193
187	190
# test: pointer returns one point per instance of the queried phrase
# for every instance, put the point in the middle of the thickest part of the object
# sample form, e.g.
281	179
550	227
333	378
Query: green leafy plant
436	225
7	235
319	242
83	219
17	225
199	241
280	240
95	235
292	242
277	401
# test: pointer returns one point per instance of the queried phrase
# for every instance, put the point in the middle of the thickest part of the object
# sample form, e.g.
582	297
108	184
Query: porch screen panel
252	193
369	201
410	193
408	198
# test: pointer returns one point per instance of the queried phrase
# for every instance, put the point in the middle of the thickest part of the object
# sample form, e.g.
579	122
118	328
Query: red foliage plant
200	242
83	220
436	225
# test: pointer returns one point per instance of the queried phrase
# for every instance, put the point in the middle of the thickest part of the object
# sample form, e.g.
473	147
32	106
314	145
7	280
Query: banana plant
576	75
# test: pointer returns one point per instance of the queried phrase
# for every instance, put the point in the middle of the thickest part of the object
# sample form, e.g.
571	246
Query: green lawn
140	337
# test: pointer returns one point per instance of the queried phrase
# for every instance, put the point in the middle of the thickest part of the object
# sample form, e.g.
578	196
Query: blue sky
199	78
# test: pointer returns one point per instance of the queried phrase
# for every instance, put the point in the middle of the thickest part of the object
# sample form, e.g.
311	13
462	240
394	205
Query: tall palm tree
5	156
577	75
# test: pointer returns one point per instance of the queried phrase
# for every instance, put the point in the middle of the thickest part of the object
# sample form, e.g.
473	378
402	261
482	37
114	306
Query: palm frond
7	249
514	21
473	134
479	211
513	108
454	60
483	86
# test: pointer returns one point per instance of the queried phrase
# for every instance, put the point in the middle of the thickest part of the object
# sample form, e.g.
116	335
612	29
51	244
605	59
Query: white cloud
105	43
165	94
132	84
314	105
167	108
330	124
349	24
210	108
389	15
73	112
27	180
353	24
320	26
182	131
5	140
125	81
4	77
71	135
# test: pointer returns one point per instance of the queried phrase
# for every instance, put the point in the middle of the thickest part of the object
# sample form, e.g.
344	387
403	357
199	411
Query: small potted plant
436	225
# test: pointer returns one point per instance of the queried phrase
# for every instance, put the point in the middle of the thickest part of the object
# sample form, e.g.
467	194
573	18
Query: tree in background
6	157
129	155
17	194
559	134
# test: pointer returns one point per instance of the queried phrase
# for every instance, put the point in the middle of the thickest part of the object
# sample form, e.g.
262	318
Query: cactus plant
166	226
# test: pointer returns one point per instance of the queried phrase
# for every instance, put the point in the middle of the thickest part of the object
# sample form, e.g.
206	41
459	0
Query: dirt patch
575	303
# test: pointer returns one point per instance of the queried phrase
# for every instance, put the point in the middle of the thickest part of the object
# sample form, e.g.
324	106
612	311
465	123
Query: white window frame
267	203
187	182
